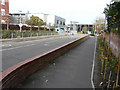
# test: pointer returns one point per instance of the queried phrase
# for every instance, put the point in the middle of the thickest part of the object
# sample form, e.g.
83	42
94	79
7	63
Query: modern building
80	27
16	18
4	11
52	20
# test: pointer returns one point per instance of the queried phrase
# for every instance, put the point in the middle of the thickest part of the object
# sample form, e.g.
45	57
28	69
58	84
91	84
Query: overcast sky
82	11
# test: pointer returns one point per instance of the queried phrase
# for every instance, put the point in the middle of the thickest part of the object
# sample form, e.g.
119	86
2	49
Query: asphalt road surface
15	52
72	70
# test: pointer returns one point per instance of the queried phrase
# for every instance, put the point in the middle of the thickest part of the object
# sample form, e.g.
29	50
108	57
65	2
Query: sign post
20	25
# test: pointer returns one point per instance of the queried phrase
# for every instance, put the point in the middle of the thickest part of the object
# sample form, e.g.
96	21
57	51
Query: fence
18	35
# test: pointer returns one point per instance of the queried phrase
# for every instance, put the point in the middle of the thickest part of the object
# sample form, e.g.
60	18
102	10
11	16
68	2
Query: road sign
20	25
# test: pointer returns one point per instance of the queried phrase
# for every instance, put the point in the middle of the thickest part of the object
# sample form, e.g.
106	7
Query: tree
40	23
112	14
99	25
44	23
84	29
49	26
35	21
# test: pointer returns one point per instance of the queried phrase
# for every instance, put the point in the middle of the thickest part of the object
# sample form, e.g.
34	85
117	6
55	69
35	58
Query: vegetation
85	28
109	64
112	13
81	33
16	33
35	21
99	25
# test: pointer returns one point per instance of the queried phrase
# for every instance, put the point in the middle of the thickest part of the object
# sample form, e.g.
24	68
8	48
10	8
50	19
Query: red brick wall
114	42
6	7
0	11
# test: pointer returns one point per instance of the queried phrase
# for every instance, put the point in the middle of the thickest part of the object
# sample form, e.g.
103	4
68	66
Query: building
4	11
50	19
80	27
16	18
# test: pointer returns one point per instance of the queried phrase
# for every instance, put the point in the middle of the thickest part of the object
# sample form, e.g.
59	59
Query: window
3	2
2	12
3	21
57	21
60	22
63	23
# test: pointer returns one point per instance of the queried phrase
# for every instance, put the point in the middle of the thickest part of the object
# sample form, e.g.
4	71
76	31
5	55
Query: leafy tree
99	24
35	21
49	26
112	13
40	23
84	29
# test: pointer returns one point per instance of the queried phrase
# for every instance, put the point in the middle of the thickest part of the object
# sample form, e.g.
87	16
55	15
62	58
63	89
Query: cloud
69	9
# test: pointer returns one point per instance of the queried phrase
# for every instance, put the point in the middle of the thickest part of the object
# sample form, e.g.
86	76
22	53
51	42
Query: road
72	70
15	52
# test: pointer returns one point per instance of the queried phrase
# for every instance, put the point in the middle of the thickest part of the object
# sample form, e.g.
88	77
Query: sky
82	11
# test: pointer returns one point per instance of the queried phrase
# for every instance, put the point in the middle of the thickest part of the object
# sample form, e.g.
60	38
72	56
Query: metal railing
28	34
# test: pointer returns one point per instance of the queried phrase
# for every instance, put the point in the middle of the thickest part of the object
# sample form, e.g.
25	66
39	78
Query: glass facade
3	2
2	12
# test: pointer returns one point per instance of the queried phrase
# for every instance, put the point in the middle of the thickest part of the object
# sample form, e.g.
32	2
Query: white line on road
93	66
17	47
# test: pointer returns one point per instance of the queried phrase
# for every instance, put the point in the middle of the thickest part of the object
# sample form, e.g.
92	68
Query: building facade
52	20
16	18
4	11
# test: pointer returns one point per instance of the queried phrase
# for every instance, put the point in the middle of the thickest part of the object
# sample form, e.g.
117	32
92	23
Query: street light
20	21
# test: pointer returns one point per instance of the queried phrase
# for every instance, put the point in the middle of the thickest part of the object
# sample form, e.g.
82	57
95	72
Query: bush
92	34
16	33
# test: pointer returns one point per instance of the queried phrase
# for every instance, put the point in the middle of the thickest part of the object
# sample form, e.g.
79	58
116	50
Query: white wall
49	19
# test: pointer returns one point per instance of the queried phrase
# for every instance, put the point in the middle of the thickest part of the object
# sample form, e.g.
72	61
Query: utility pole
20	21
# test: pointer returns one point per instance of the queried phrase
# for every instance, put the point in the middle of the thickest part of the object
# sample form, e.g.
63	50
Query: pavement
72	70
29	38
15	52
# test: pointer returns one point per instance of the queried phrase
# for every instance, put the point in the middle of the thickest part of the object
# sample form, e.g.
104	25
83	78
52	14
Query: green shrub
92	34
16	33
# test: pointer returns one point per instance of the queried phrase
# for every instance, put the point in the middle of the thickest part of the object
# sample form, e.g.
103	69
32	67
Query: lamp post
20	21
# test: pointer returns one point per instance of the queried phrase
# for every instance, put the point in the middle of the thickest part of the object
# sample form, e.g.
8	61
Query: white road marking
6	45
17	47
92	73
45	44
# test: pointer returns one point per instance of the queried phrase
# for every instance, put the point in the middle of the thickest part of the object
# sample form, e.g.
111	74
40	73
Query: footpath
72	70
29	38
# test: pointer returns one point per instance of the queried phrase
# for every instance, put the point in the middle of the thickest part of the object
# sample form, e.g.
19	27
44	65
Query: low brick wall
19	72
114	43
